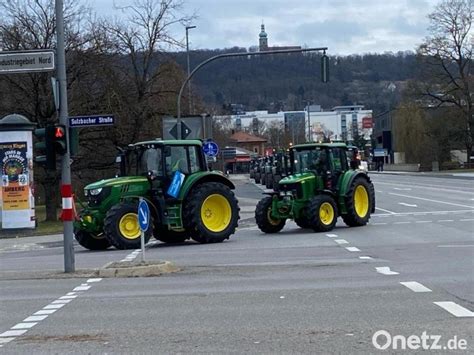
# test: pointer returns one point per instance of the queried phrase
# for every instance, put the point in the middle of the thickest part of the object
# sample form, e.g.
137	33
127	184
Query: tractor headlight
95	192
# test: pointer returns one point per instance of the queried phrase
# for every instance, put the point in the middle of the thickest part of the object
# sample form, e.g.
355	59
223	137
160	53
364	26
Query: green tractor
325	183
185	198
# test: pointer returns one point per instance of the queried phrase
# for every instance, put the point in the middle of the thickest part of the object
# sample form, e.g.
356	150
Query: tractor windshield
308	160
141	161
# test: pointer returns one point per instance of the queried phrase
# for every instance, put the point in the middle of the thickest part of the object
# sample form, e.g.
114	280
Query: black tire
303	221
269	182
123	214
263	180
322	213
257	179
358	212
91	241
223	215
276	181
166	236
263	218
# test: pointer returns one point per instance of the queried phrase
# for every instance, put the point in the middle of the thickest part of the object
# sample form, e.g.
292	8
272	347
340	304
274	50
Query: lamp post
189	70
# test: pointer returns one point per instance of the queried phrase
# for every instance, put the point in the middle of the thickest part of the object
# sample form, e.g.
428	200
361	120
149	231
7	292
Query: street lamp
189	70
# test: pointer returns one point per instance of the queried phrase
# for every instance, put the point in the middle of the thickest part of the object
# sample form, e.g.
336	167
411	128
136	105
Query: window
176	160
194	159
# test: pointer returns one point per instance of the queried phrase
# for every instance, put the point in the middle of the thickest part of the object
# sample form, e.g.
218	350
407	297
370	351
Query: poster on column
16	180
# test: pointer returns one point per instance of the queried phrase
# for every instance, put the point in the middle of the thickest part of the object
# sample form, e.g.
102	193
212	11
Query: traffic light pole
66	188
226	55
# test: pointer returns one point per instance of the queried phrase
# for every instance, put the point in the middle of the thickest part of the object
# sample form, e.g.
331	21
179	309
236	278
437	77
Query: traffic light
45	153
59	139
324	68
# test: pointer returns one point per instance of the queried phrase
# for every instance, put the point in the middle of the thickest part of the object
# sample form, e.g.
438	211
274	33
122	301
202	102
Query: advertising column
16	170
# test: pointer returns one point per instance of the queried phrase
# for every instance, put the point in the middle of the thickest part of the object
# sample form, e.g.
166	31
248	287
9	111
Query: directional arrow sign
143	215
185	131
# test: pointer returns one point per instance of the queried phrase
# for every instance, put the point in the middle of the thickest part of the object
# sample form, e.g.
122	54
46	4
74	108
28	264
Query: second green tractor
325	183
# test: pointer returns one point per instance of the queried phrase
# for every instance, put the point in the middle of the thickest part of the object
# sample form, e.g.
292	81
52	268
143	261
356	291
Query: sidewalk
441	174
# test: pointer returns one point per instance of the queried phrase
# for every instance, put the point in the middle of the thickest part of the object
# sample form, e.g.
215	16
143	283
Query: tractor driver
178	160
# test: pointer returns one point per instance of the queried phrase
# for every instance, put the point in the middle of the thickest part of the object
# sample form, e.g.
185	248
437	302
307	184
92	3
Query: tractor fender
347	180
201	178
157	215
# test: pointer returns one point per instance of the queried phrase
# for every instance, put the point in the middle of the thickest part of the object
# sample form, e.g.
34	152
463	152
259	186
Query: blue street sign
143	215
210	148
92	120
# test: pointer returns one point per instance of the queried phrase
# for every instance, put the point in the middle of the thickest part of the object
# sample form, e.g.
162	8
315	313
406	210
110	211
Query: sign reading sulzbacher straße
91	120
26	61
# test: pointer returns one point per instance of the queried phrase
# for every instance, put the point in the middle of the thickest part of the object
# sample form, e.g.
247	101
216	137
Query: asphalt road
410	272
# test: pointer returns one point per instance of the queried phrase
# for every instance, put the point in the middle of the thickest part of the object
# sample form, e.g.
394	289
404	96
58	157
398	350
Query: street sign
26	61
229	153
210	148
143	215
92	120
185	131
380	152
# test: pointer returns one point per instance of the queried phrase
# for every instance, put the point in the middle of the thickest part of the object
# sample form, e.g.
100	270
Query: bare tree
447	53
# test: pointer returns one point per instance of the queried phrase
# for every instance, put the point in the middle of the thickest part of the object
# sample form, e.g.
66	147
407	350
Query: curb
134	269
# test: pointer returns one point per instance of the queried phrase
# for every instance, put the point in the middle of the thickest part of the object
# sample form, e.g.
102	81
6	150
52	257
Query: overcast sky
345	26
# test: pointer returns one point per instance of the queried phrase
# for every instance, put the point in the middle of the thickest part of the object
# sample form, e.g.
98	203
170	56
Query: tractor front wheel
211	213
359	203
91	241
122	228
322	213
263	216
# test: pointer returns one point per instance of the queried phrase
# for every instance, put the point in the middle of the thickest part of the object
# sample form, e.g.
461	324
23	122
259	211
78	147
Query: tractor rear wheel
211	213
263	215
359	203
91	241
322	212
121	226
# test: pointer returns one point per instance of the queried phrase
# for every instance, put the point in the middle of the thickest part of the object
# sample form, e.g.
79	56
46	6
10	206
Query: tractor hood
296	178
123	180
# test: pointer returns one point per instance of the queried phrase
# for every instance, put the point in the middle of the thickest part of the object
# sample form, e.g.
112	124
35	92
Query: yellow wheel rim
271	220
216	213
129	227
326	213
361	201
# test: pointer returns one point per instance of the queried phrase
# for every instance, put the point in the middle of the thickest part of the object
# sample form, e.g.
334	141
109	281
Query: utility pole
66	188
189	69
226	55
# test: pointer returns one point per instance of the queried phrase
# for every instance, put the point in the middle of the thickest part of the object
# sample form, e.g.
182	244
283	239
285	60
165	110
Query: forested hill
289	81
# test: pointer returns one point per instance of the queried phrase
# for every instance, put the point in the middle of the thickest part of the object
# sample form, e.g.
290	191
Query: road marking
420	213
54	306
45	311
81	288
467	219
332	235
13	333
385	270
24	325
341	241
430	200
352	248
35	318
61	301
381	209
365	257
94	280
401	222
446	220
402	188
415	286
378	224
67	297
455	309
429	187
5	340
407	204
423	221
378	191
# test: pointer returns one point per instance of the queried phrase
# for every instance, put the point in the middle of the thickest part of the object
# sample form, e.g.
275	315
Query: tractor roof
157	142
319	145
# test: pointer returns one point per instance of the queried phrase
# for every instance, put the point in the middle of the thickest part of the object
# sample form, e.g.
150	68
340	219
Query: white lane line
381	209
54	306
378	191
385	270
61	302
455	309
35	318
67	297
407	204
70	293
341	241
81	288
430	200
13	333
5	340
378	224
24	325
365	257
446	220
352	248
94	280
402	188
466	219
401	222
45	311
421	213
415	286
423	221
331	235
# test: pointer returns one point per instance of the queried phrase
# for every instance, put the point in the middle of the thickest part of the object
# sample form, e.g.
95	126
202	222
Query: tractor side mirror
152	175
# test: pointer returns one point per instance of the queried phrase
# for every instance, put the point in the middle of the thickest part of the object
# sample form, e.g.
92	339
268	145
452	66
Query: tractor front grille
295	189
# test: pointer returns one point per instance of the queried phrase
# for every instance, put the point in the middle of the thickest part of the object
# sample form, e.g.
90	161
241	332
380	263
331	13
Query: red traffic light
59	132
